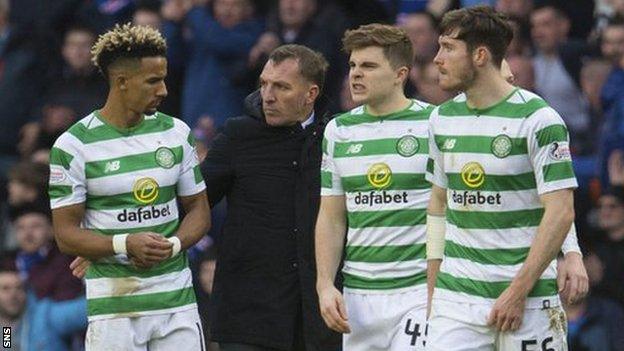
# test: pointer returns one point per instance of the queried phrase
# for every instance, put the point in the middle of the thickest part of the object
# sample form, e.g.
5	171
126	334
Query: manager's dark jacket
264	287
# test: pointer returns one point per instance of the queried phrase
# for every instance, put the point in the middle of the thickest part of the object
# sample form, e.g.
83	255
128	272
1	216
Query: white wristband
570	243
436	230
119	244
177	245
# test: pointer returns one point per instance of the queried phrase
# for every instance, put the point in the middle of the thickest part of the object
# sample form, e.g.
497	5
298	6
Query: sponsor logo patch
473	174
379	175
145	190
559	151
57	175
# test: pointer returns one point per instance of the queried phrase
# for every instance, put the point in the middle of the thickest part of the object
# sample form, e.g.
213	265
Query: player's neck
393	103
120	116
488	89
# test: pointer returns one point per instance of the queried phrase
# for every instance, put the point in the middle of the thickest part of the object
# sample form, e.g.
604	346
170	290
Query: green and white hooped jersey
129	181
495	163
378	163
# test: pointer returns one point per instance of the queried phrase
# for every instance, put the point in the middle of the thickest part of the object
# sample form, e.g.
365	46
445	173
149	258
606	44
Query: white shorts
461	327
179	331
386	322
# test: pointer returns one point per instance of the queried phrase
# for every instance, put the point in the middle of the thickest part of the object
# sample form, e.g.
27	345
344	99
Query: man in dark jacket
266	163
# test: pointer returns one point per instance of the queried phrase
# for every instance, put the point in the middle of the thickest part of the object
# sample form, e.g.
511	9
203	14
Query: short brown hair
480	25
312	64
396	45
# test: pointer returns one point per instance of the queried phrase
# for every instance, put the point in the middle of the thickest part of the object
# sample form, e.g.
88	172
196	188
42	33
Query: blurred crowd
569	52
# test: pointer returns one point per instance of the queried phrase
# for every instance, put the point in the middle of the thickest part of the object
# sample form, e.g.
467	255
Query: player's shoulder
535	108
79	132
348	118
420	110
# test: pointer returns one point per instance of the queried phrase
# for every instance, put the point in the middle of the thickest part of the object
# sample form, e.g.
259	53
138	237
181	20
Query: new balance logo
449	144
111	166
354	149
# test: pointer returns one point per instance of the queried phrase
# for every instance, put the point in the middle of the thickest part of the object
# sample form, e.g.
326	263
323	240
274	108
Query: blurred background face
516	8
593	76
295	13
32	231
77	49
455	67
21	193
547	29
522	69
422	34
287	97
12	295
612	45
425	79
371	76
146	18
611	213
230	13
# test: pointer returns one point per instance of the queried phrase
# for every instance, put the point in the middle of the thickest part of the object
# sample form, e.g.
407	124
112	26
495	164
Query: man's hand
333	309
147	249
572	278
265	44
508	311
79	267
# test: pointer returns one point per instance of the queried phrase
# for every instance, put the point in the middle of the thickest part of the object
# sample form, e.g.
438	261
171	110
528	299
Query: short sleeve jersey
378	163
495	163
129	181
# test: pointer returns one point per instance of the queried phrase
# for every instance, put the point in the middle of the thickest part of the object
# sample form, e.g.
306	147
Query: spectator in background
305	23
12	304
594	325
38	259
27	185
217	47
147	13
78	83
610	249
593	77
20	84
38	324
424	78
515	8
612	97
557	63
522	69
421	27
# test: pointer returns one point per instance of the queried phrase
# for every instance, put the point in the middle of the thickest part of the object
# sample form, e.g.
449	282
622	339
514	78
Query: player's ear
481	55
402	74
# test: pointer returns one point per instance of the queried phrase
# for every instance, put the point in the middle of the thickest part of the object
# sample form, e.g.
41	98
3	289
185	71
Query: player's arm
149	248
435	238
572	279
558	216
196	222
331	227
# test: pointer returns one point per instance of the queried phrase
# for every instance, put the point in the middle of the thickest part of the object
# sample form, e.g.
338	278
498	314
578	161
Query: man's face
422	34
371	76
295	13
77	49
230	13
455	66
287	97
612	45
32	231
12	295
146	18
145	85
547	30
611	213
